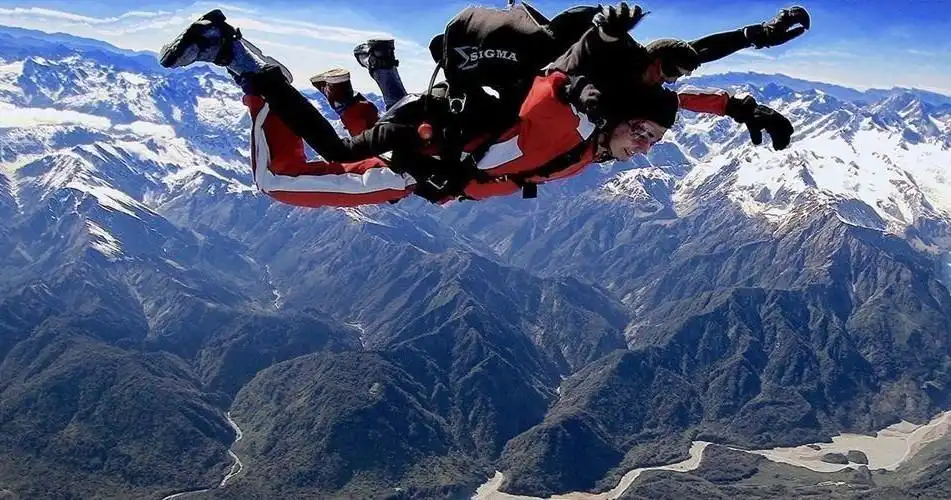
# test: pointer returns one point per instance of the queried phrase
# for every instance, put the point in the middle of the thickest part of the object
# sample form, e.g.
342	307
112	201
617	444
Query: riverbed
887	449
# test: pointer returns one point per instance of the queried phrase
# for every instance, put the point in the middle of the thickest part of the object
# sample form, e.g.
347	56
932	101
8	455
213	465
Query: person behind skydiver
550	131
667	60
663	61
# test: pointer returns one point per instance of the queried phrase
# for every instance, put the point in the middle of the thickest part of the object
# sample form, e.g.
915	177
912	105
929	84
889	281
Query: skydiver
607	59
394	158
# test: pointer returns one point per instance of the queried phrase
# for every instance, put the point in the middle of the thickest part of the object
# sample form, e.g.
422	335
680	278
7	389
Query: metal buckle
440	187
457	104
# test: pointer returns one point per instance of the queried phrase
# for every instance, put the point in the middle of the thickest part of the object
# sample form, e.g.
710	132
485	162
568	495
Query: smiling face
634	136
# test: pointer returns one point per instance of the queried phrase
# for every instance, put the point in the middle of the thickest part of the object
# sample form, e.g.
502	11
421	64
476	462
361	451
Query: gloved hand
757	118
779	29
589	103
615	22
584	96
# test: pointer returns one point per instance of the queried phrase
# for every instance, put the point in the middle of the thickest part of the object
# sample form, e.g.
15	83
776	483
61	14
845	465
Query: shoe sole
174	51
366	49
336	75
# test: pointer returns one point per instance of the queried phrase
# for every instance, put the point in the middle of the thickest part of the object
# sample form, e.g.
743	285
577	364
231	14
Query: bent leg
391	85
306	122
379	57
356	113
282	171
297	113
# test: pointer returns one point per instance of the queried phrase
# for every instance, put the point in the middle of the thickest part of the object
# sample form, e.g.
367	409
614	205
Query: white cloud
302	49
316	31
305	47
148	129
12	117
820	54
41	13
928	53
755	54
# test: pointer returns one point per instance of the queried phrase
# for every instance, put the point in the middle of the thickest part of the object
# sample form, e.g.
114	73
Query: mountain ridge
778	296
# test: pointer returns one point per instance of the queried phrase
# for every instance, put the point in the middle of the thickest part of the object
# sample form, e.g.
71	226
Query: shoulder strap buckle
440	183
457	104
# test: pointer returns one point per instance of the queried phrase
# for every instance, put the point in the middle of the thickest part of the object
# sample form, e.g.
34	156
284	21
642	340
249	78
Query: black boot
209	39
212	39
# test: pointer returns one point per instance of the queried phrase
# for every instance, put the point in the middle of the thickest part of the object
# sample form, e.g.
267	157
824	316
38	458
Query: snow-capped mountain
882	164
108	123
105	123
847	94
137	144
760	288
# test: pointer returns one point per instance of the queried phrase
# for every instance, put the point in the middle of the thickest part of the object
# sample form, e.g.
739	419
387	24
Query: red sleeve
710	101
359	116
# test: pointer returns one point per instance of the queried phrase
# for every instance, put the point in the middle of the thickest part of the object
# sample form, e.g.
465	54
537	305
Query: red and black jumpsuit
357	171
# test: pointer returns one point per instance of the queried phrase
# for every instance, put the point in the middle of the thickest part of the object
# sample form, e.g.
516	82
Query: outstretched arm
708	101
788	24
747	111
719	45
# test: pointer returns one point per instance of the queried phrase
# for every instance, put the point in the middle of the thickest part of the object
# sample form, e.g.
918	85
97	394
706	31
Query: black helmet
657	104
678	58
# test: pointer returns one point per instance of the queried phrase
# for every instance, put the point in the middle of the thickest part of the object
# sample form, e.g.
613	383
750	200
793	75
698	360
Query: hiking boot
335	85
376	54
335	76
209	39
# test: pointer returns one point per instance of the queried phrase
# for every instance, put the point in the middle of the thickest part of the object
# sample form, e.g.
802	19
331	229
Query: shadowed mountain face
779	358
709	291
71	404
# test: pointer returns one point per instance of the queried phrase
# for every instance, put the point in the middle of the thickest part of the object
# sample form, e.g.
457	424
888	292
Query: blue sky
862	44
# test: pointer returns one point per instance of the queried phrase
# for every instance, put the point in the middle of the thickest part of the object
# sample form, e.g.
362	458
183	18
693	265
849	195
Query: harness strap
555	165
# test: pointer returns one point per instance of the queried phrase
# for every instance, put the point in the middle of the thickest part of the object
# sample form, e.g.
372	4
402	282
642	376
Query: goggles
645	131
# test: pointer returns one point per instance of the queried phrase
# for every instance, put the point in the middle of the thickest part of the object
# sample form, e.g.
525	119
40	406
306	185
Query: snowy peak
882	163
40	42
901	103
100	138
916	119
783	83
144	134
648	190
104	90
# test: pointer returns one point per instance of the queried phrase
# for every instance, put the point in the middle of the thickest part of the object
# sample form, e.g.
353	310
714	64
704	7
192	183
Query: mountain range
711	290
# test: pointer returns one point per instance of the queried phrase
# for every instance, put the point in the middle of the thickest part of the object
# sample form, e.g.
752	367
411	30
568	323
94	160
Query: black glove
584	96
779	29
617	21
757	118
